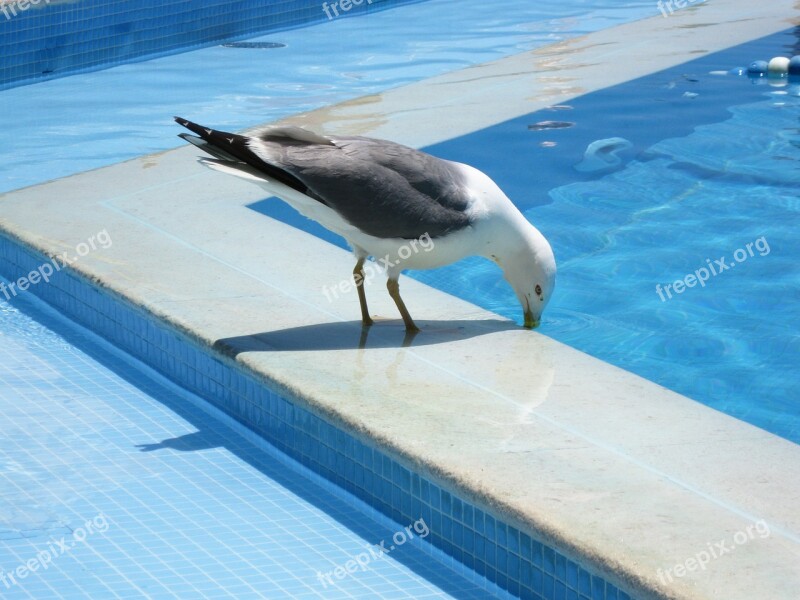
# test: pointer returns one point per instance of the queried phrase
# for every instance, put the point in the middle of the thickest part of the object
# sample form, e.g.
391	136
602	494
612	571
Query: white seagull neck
503	228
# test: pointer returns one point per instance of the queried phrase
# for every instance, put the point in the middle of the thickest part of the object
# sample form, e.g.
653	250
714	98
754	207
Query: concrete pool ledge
614	471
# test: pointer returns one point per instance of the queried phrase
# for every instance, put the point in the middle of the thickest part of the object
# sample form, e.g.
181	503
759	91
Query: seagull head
530	267
514	244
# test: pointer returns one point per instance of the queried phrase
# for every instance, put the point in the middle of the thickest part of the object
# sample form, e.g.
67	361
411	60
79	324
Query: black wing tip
193	127
220	145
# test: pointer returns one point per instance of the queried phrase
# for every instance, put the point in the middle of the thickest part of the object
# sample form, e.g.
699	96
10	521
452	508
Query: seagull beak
530	321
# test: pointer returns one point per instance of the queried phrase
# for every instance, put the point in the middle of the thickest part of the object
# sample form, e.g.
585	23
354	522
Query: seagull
407	208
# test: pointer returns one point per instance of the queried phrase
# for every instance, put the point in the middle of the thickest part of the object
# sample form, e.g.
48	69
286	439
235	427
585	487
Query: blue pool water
116	484
85	121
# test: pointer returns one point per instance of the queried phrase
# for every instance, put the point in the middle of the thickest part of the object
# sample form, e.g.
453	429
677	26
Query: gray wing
385	189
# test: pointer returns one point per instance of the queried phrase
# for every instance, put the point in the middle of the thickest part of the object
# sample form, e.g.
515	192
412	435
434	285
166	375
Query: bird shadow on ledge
350	335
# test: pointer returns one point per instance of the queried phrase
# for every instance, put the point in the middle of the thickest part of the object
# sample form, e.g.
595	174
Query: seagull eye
538	290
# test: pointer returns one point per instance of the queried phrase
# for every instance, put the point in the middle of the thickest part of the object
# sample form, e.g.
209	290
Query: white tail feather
241	170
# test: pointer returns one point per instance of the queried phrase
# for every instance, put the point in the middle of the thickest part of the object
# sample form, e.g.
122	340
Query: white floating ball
778	66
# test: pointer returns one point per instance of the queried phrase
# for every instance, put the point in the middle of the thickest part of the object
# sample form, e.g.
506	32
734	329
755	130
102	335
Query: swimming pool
119	484
558	566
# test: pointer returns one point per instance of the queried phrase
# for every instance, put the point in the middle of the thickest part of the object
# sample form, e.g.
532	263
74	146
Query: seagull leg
358	277
394	291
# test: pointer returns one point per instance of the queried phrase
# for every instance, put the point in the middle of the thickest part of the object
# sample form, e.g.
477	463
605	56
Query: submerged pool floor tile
114	485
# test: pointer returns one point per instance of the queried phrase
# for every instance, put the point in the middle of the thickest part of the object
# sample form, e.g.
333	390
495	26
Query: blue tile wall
42	39
513	559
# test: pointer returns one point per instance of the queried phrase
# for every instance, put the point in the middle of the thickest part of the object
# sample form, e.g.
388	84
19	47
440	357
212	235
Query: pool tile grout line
474	536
